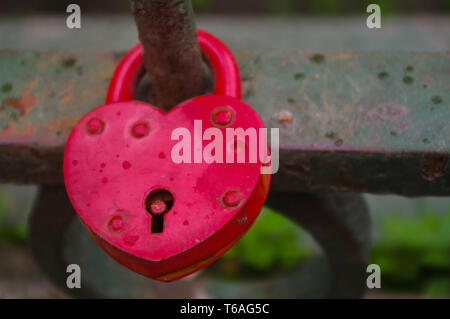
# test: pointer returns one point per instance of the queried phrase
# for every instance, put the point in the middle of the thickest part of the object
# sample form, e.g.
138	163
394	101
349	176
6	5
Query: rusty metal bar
176	70
363	122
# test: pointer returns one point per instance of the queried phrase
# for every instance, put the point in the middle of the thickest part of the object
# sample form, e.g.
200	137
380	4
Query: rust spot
434	167
25	102
67	94
285	117
67	98
343	183
62	124
27	130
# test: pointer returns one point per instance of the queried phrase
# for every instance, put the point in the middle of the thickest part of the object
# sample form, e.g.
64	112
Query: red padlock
152	214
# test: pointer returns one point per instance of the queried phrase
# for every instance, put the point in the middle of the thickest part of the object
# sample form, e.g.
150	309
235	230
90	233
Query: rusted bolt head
116	224
222	116
140	130
95	126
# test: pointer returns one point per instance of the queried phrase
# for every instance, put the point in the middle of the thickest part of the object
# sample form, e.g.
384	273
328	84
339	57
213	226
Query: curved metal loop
226	70
341	224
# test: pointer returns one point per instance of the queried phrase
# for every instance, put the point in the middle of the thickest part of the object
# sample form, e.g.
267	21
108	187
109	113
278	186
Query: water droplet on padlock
232	198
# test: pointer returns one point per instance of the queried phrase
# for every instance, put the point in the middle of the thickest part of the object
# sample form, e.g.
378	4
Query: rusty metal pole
175	67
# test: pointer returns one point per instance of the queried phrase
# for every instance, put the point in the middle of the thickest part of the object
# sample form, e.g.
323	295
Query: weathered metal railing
349	122
343	128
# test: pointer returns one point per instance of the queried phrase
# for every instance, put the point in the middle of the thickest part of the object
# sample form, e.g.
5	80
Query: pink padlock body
109	173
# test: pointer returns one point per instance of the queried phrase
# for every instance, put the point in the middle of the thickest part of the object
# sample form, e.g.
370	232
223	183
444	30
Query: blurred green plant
281	7
202	5
14	233
272	245
414	253
323	7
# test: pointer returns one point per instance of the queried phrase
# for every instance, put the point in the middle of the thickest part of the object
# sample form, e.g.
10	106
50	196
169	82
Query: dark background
334	7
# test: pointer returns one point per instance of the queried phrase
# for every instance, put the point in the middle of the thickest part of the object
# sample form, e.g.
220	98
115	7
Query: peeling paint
285	117
25	102
434	167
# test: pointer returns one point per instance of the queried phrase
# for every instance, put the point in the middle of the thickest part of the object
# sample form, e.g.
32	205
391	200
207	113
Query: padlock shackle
227	79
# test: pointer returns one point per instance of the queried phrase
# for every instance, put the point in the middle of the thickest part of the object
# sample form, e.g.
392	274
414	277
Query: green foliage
14	233
281	7
325	6
437	287
2	209
272	244
387	6
414	253
202	5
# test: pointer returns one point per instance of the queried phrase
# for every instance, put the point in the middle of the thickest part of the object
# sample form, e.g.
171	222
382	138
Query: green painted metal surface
367	122
371	102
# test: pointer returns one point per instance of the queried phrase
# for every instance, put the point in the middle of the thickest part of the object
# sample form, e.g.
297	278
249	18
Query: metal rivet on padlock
222	116
159	217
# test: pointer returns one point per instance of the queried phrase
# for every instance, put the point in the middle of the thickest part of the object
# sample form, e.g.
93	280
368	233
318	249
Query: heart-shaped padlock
151	187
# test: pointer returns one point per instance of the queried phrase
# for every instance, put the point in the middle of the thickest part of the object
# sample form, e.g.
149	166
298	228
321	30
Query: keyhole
158	203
